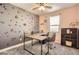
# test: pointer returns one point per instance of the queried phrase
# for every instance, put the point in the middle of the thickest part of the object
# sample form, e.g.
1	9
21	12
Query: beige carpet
59	50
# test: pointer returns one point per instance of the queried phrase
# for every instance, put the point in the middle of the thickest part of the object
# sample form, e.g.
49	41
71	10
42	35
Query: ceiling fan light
41	8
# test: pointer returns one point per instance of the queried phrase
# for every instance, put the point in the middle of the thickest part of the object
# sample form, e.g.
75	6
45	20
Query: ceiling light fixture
41	8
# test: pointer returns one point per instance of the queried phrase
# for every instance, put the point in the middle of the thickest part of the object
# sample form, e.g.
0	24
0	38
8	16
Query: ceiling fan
41	6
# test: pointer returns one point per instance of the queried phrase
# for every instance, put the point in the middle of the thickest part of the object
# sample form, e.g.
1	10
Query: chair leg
48	45
41	48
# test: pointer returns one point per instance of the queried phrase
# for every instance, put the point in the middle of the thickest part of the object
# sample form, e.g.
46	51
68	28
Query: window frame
55	24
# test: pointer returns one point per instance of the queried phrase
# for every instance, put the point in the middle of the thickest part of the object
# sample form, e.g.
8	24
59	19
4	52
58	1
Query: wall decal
10	20
19	25
12	39
15	31
2	22
45	21
15	24
13	27
13	7
11	30
42	24
8	14
16	16
6	33
22	19
1	12
4	7
21	16
9	25
24	24
8	44
18	12
19	31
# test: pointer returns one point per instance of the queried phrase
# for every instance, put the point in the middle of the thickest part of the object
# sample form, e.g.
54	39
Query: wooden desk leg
41	48
24	43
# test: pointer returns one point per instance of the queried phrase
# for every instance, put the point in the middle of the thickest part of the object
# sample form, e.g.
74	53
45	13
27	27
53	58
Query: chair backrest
48	34
52	36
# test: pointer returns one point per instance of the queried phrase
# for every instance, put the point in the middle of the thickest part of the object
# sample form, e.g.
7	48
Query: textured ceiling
55	6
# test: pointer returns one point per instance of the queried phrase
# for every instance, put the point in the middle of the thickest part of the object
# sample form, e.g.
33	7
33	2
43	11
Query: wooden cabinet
71	35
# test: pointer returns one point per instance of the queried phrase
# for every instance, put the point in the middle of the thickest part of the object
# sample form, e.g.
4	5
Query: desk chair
51	39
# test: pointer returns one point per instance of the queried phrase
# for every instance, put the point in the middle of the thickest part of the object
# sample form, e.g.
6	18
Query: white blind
54	23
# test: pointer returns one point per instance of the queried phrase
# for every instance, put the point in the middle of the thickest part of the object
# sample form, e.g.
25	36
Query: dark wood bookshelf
72	37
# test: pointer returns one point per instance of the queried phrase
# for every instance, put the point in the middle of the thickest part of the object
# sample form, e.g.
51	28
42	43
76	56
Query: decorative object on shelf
68	43
74	24
68	31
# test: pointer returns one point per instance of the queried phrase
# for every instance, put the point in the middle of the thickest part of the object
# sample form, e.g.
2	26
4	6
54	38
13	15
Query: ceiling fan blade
48	6
35	8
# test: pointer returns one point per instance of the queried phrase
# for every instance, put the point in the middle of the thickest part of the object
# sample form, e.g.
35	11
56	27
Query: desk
38	37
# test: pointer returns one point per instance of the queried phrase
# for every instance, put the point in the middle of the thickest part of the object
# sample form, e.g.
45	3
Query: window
54	23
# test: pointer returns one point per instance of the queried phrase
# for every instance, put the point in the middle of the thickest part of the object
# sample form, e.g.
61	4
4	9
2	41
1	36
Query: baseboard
14	46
